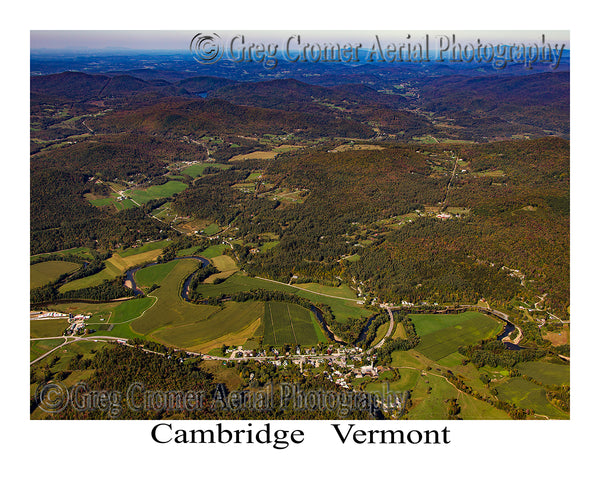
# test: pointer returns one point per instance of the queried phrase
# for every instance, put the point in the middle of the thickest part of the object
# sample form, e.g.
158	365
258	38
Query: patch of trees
118	367
107	290
202	274
494	353
561	397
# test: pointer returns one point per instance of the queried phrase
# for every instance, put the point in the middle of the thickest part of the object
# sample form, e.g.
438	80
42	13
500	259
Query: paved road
388	333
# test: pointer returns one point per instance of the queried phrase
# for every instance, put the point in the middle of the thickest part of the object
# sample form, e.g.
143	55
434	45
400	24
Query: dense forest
514	194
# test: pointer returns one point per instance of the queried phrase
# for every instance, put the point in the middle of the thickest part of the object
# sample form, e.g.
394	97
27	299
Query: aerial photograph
299	225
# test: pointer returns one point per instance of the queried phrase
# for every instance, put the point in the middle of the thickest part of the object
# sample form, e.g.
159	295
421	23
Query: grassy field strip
45	272
343	308
307	290
268	306
116	265
292	323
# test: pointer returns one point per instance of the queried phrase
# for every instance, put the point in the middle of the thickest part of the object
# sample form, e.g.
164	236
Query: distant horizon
179	40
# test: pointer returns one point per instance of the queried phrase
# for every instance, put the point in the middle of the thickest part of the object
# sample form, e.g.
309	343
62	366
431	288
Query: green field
441	335
525	394
160	244
290	323
342	291
265	247
408	381
80	251
47	328
221	324
254	176
115	266
198	169
175	322
342	309
156	191
112	201
46	272
433	404
171	310
154	274
211	229
214	251
39	347
547	373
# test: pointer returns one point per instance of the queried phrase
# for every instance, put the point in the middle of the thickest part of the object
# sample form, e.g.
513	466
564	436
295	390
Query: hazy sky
180	40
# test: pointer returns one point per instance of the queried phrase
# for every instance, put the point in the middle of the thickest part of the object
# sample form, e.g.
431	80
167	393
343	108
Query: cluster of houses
41	315
77	324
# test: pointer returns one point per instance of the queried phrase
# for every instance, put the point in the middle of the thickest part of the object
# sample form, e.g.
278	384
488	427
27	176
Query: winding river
130	276
131	283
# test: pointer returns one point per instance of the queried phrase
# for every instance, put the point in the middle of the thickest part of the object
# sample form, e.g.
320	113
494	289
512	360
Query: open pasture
441	335
290	323
46	272
156	191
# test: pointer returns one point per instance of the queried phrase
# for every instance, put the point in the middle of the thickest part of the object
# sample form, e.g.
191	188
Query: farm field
426	323
253	176
46	272
269	245
245	337
341	291
47	328
115	266
224	263
525	394
254	156
39	347
111	201
211	229
110	318
213	251
170	309
441	335
146	247
429	405
399	331
290	323
220	326
408	358
80	251
342	309
408	380
64	355
197	169
547	373
433	404
156	191
148	276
